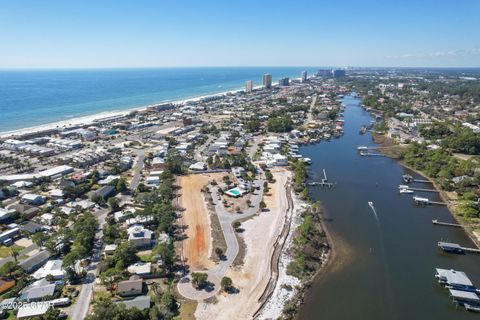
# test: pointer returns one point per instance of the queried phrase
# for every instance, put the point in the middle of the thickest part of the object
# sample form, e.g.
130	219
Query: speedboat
370	203
406	191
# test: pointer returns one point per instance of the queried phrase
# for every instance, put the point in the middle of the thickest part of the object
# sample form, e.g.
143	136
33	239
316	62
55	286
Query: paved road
254	147
226	220
138	167
80	309
312	105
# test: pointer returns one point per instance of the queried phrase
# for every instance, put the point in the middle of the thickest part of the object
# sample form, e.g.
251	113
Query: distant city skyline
125	34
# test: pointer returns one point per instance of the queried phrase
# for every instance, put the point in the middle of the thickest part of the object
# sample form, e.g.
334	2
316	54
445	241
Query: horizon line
232	66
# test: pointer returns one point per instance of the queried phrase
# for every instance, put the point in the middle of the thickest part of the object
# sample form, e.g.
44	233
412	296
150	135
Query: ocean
35	97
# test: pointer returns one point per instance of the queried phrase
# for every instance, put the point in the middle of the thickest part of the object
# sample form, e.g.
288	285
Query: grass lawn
11	315
145	257
187	310
5	251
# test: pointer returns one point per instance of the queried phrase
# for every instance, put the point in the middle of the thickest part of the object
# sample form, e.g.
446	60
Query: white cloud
439	54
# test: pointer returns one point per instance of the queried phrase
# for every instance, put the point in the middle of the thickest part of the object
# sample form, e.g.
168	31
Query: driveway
138	167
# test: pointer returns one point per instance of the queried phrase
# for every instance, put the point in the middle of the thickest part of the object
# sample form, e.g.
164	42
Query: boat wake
370	203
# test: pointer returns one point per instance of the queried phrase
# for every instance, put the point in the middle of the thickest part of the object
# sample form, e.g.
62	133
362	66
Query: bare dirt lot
197	245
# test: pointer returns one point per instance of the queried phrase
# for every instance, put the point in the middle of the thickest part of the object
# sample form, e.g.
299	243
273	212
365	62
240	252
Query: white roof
47	216
52	267
56	193
140	268
31	196
197	166
21	184
56	170
32	310
110	247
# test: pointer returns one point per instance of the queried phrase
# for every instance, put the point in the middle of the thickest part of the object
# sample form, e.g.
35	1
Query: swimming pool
234	192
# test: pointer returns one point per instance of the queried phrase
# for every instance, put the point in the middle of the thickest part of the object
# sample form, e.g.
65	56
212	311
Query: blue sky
127	33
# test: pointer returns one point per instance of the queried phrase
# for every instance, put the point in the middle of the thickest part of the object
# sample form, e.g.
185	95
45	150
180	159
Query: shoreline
451	207
324	269
89	119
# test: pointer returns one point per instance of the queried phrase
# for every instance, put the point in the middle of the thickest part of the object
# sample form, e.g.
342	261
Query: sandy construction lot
197	245
251	278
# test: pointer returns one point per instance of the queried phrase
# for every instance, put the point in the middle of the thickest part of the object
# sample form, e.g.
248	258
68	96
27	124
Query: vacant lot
197	245
252	277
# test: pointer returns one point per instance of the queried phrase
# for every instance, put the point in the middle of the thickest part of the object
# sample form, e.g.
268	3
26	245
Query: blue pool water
234	192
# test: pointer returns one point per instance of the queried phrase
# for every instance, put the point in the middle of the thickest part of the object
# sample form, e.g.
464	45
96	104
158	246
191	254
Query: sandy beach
90	119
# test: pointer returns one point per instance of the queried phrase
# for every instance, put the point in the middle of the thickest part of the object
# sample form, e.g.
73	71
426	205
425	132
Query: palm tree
155	288
15	252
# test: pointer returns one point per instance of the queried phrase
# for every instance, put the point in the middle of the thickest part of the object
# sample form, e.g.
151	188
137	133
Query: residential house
6	213
35	261
26	210
31	227
34	199
52	268
38	291
131	287
104	192
141	269
139	236
140	302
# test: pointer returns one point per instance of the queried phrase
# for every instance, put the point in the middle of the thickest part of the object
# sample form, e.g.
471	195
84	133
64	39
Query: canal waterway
384	261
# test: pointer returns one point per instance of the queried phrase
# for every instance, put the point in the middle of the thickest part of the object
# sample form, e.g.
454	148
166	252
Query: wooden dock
422	181
370	154
321	184
456	248
324	182
422	189
437	202
446	224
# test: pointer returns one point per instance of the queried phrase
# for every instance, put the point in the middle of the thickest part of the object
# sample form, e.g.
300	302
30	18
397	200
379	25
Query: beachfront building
303	78
267	81
339	73
283	82
249	86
